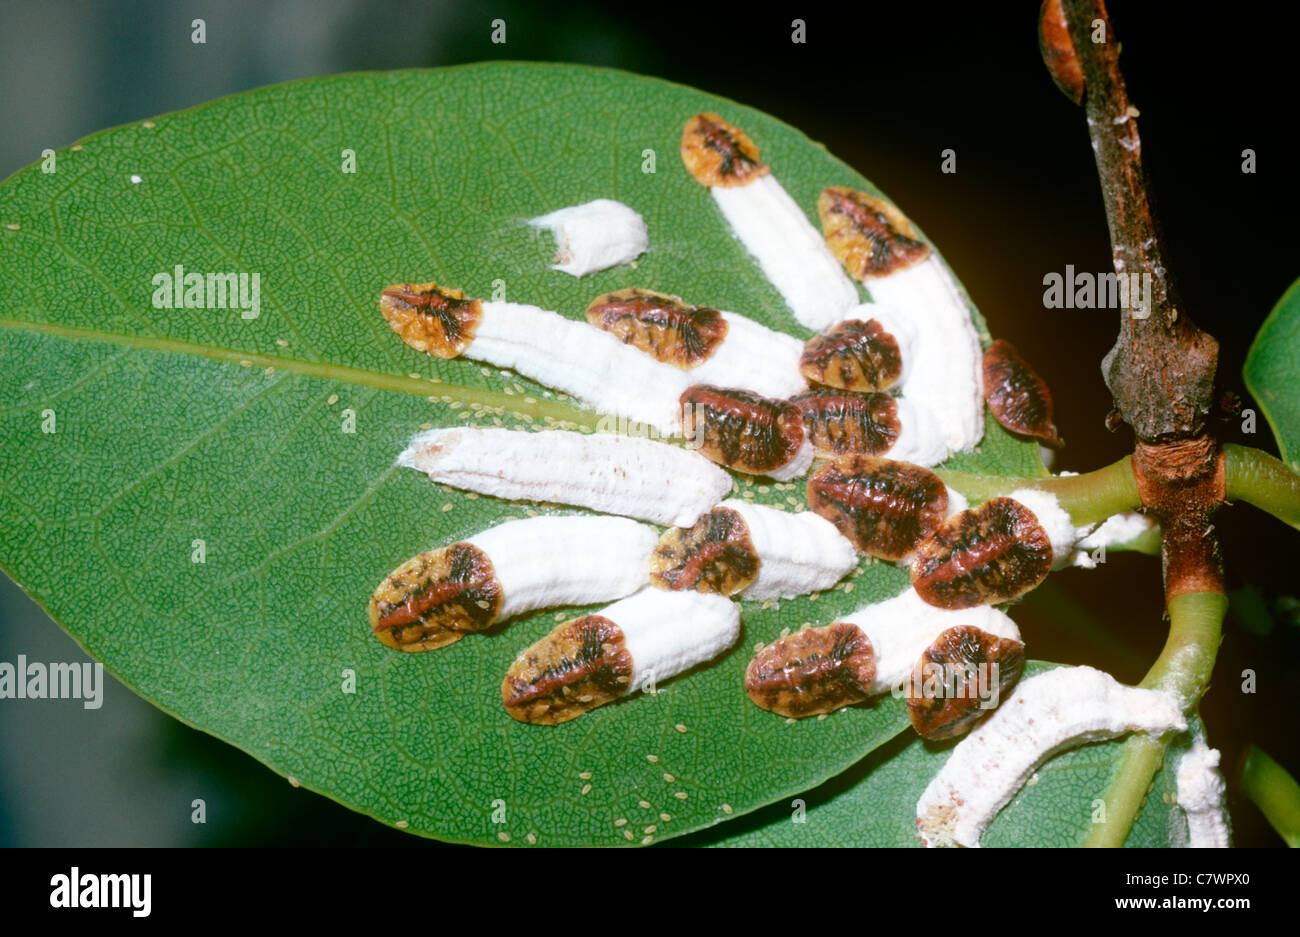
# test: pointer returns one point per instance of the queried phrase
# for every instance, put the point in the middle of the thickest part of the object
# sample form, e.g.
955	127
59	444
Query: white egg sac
798	552
542	562
625	475
595	236
789	250
1046	714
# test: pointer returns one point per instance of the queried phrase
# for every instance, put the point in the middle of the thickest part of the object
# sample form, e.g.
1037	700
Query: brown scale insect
840	423
717	153
853	355
741	430
869	236
580	665
715	554
1017	396
664	327
885	508
945	689
813	671
431	318
992	553
435	598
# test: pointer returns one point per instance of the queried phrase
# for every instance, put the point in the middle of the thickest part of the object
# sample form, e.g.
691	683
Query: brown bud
1058	50
992	553
842	423
718	153
854	355
580	665
1018	398
715	554
431	318
870	237
813	671
664	327
741	430
955	676
434	598
884	508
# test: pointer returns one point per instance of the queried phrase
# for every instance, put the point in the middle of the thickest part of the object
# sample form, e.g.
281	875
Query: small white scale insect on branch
1046	715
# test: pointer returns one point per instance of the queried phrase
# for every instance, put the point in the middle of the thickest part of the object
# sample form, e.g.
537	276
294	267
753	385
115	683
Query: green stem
1183	670
1087	498
1257	478
1275	792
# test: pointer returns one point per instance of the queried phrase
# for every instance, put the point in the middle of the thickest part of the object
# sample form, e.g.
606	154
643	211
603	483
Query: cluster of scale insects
835	400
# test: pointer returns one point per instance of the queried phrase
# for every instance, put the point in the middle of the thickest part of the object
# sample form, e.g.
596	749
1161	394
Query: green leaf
1272	373
175	426
874	802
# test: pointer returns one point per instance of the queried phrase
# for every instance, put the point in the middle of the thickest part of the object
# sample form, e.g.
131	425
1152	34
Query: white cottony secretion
798	552
595	236
582	360
797	467
668	632
542	562
1112	532
753	357
1046	714
945	374
901	628
625	475
920	436
1200	795
1054	519
789	250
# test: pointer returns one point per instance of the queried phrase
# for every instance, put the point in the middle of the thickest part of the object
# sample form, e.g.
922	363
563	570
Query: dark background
887	87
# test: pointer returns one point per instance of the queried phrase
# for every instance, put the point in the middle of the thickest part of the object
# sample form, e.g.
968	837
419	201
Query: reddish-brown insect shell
853	355
869	236
955	675
718	153
436	597
813	671
992	553
715	554
741	430
884	508
580	665
841	423
664	327
431	318
1017	396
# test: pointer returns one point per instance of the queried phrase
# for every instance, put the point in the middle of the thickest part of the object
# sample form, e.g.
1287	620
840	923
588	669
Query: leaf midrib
431	389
